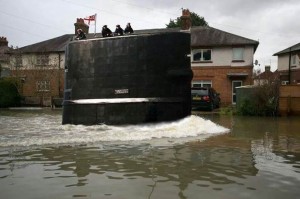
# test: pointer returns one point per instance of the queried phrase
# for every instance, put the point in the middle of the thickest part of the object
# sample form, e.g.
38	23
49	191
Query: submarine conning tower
128	79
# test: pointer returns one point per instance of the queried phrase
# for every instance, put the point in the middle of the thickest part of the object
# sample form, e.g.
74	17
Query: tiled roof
208	36
293	48
56	44
200	36
267	75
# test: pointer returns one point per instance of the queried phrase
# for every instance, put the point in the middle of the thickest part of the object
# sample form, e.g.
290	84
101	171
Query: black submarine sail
128	80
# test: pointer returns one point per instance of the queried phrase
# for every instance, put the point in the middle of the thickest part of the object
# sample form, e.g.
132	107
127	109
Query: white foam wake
49	131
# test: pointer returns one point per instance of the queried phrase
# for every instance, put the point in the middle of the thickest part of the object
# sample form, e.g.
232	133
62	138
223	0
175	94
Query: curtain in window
238	53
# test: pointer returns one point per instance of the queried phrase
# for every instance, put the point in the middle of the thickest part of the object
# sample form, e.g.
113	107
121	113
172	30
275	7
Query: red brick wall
220	81
295	76
81	25
28	88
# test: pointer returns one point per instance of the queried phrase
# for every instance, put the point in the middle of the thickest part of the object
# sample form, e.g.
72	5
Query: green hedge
262	102
9	95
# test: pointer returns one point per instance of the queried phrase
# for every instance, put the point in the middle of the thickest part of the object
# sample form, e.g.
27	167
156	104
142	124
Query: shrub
9	95
247	107
229	110
263	101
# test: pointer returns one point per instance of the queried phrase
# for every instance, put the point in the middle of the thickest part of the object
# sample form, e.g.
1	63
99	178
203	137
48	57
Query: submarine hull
128	80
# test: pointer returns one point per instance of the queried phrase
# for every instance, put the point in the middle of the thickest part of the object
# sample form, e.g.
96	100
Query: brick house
40	67
218	59
289	65
266	77
221	60
4	57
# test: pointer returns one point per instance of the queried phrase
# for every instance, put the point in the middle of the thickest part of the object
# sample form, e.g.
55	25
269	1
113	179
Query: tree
195	19
9	95
263	100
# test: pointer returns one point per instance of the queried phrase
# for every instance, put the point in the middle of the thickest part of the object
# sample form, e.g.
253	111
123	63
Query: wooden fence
289	100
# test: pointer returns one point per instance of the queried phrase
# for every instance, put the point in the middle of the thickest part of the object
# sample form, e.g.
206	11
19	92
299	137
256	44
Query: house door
235	84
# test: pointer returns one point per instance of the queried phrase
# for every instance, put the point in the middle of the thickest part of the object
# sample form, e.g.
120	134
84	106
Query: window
42	60
19	61
201	55
238	54
293	61
43	85
202	83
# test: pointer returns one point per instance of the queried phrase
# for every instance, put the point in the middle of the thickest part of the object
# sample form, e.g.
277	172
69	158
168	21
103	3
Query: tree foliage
9	95
262	102
195	19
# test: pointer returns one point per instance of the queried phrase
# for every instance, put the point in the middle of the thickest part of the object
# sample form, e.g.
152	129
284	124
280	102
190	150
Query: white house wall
222	56
283	62
29	61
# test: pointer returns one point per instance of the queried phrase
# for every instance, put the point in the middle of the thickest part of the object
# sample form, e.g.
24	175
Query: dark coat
81	36
128	29
106	32
119	31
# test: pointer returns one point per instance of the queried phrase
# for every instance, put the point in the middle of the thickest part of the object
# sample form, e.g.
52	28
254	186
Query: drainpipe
59	74
290	57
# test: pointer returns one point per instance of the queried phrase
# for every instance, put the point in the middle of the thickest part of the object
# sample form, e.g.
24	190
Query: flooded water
201	156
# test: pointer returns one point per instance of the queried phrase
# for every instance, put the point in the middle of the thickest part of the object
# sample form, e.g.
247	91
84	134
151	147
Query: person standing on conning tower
119	31
80	34
128	29
106	32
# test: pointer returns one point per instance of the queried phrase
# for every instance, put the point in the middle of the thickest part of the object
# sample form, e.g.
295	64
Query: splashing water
45	129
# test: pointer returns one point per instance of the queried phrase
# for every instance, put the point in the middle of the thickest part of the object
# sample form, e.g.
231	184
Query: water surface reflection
258	158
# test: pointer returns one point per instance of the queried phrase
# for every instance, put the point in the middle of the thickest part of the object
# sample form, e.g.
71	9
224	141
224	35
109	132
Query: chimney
81	25
3	41
186	19
267	68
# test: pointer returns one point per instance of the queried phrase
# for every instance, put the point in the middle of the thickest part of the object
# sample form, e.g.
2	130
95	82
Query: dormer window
238	54
201	55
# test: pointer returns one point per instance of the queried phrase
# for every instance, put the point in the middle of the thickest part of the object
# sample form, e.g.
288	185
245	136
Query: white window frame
43	86
233	93
238	54
202	51
202	83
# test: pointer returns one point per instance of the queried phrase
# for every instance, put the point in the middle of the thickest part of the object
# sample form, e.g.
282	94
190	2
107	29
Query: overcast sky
274	23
